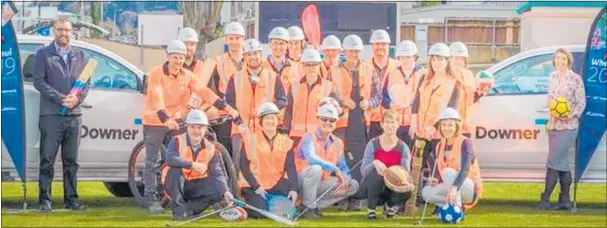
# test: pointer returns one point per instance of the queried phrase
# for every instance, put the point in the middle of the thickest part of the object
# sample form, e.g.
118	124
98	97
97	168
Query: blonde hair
390	114
567	53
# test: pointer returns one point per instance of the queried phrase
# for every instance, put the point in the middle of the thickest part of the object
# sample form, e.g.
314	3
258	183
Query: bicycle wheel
228	167
135	176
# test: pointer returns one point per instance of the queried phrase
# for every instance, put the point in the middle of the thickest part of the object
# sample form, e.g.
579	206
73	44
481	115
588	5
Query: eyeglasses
328	120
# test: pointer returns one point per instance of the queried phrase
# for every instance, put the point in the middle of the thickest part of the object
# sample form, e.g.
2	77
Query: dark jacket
53	78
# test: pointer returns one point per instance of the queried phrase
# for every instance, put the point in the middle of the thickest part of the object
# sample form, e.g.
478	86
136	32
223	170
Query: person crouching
382	153
267	157
457	177
193	177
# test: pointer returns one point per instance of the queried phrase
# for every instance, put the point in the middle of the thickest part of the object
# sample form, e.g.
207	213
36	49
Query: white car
510	136
111	118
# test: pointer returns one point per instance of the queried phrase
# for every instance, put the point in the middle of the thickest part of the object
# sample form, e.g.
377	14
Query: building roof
585	4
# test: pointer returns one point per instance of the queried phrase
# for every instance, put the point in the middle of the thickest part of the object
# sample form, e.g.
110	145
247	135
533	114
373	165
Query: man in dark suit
56	68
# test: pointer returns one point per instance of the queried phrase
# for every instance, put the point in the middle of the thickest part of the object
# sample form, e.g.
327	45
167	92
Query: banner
593	121
13	112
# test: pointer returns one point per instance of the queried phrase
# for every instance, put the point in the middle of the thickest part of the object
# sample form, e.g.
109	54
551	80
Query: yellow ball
559	107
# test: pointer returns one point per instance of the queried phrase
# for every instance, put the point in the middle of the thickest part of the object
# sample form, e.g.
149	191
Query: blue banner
594	119
13	112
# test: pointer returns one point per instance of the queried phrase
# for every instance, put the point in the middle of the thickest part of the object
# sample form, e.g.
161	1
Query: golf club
421	221
328	190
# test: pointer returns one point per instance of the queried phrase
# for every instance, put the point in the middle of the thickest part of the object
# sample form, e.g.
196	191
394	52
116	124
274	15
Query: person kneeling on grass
457	178
381	153
268	156
193	177
319	155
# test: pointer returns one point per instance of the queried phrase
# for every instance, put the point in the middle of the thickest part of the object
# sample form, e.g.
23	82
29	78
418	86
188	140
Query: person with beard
384	67
248	89
224	66
56	68
330	47
193	177
358	87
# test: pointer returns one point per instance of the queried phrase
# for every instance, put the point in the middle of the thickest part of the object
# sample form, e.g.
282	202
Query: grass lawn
503	204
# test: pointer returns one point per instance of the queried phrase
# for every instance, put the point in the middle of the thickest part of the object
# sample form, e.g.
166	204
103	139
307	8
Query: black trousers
223	132
56	131
255	200
403	134
195	196
378	193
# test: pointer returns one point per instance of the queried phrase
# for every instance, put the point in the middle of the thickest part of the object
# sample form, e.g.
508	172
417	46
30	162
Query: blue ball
450	214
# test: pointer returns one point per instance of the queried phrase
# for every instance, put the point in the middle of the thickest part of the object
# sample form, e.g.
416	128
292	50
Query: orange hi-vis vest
185	153
296	73
196	68
412	82
467	91
454	162
267	162
171	94
343	83
331	154
225	67
377	113
284	73
432	101
305	106
249	98
327	72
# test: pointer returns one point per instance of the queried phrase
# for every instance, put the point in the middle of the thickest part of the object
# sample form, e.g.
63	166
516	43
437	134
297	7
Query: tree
425	3
202	17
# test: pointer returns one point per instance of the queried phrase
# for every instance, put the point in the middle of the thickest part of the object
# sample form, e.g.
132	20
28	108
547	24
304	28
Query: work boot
552	177
155	208
564	200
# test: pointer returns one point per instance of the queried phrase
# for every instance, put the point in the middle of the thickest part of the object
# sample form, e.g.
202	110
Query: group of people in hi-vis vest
305	127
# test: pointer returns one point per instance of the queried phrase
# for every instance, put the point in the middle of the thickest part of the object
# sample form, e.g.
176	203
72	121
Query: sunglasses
328	120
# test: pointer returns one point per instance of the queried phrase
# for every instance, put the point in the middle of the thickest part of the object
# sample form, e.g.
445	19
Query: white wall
158	29
544	26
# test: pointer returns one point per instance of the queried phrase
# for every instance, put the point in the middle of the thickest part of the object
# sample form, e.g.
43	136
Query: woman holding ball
565	85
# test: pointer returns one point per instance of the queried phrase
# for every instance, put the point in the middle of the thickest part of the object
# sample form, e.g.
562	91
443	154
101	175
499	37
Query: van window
525	76
110	74
27	53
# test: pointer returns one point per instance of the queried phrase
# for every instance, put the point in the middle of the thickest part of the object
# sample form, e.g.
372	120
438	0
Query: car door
509	132
111	122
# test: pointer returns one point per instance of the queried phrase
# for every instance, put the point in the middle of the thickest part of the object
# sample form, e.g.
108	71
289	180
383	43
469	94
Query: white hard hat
406	48
330	42
310	55
267	108
251	45
176	46
296	33
380	36
449	114
234	28
188	34
458	49
439	49
328	111
279	33
353	42
197	117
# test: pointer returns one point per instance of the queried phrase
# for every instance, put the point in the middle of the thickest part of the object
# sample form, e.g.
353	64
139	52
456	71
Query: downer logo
522	134
109	134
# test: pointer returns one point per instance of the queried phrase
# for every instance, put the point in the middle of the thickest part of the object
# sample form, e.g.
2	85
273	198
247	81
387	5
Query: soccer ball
450	214
559	107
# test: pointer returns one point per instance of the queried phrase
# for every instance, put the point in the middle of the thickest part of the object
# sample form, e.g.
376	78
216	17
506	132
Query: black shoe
77	207
354	205
563	204
371	215
318	212
435	212
544	202
45	207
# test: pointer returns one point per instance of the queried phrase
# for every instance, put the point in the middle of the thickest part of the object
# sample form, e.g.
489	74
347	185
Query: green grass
503	204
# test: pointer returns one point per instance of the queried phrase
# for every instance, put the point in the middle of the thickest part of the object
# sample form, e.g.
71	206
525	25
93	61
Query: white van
111	117
510	137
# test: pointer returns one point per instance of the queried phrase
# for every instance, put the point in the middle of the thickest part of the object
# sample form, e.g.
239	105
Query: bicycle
136	165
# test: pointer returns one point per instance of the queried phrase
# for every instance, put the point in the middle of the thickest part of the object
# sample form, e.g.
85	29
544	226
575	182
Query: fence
488	40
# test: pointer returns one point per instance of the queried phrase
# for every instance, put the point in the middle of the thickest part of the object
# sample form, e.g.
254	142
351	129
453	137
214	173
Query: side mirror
143	84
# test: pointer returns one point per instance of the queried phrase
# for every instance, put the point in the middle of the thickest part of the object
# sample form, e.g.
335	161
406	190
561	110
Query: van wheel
119	189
